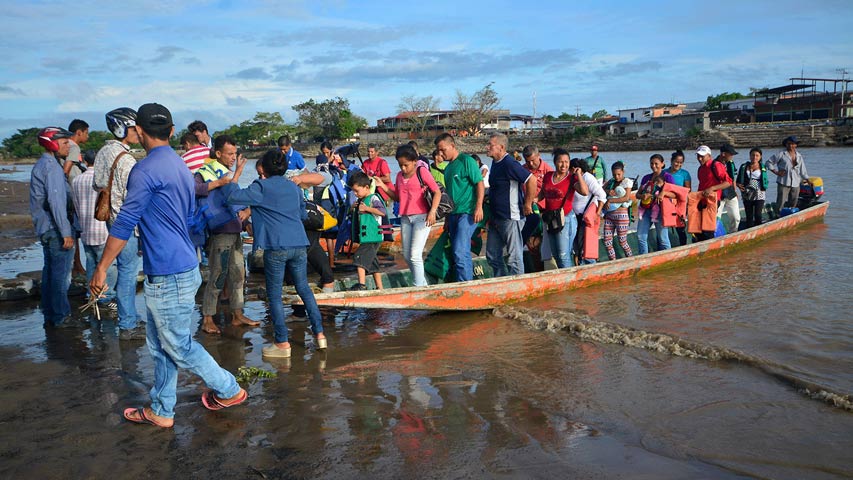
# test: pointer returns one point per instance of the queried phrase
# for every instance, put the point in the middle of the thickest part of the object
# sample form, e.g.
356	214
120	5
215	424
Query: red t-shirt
555	193
708	177
377	167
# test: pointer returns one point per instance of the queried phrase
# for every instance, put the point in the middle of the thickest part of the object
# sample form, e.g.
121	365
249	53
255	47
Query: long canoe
493	292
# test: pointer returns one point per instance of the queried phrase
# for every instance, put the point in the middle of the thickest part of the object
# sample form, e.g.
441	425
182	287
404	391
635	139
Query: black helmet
48	136
119	119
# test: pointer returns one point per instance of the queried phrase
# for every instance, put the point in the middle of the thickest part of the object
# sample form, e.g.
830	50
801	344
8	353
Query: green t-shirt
437	171
460	177
597	169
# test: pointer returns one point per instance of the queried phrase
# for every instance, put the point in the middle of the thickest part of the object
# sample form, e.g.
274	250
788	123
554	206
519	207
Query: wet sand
16	224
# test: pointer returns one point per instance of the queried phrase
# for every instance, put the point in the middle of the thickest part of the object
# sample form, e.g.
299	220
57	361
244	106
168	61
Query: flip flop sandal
142	417
211	402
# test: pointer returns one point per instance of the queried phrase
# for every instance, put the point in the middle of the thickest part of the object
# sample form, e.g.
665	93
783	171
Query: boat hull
493	292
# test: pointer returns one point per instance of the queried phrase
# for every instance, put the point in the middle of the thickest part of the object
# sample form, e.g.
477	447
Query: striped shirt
196	157
93	232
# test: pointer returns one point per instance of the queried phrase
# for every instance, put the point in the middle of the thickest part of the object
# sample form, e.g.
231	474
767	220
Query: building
802	99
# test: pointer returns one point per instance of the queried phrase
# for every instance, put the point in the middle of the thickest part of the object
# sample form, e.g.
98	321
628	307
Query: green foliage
349	124
693	132
250	375
600	114
263	129
715	102
569	117
23	144
97	139
329	119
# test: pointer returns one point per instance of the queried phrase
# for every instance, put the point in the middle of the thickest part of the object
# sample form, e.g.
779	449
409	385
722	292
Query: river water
488	394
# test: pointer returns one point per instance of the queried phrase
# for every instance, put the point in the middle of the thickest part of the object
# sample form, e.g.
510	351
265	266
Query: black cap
727	148
153	116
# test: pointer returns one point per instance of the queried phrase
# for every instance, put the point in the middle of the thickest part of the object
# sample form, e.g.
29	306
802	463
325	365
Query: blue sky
222	61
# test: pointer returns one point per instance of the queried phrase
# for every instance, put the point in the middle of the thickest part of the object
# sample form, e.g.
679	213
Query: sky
222	61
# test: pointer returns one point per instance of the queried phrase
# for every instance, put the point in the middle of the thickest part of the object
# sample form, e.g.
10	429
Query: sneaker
357	287
273	351
137	333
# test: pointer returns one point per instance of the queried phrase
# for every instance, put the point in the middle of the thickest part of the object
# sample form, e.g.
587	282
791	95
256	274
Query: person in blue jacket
53	219
278	208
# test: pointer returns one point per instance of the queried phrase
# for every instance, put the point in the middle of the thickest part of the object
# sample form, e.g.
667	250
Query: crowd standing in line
520	204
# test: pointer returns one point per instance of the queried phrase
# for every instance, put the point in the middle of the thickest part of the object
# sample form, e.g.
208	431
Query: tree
420	107
97	139
600	114
471	112
349	124
264	128
24	143
715	102
329	119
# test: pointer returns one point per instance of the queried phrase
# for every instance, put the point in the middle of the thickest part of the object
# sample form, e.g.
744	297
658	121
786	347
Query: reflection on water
405	394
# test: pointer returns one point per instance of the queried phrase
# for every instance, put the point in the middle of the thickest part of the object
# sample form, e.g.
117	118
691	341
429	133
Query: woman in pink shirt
416	216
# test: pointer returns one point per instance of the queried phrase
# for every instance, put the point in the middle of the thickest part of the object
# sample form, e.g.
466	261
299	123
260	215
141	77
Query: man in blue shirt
160	200
509	207
53	219
294	158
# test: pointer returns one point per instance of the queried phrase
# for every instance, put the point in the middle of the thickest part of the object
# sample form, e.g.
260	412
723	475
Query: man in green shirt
464	184
596	165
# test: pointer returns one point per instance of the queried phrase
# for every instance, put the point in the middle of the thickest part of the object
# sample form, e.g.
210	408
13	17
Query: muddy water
402	394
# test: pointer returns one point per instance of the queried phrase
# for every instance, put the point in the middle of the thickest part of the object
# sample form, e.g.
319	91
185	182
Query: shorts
365	257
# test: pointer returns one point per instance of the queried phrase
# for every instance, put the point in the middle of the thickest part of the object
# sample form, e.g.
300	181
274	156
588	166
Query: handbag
102	205
445	205
318	218
555	220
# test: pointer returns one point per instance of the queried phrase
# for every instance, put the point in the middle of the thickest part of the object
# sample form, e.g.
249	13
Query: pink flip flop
143	418
212	402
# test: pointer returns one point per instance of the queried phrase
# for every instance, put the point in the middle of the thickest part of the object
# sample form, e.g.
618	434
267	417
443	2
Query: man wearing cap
53	219
713	179
160	199
729	202
114	160
596	165
790	170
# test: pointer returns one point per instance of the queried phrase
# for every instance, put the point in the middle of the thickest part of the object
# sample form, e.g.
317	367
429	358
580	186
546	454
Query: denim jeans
93	256
644	224
505	235
295	261
55	278
127	263
226	263
460	227
170	301
562	241
415	232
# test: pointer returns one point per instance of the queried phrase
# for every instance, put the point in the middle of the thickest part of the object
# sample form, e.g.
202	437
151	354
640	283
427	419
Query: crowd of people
171	214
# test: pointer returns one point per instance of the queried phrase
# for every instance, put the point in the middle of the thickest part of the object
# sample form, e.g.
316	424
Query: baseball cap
594	147
791	139
727	148
153	116
703	150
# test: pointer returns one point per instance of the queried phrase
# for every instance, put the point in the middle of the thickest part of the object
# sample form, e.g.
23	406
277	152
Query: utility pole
534	109
844	73
577	112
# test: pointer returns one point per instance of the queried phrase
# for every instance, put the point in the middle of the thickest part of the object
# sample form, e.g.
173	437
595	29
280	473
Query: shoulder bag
555	220
102	206
445	205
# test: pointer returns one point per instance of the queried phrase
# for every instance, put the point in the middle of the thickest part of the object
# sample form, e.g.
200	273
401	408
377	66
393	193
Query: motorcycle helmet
119	120
48	137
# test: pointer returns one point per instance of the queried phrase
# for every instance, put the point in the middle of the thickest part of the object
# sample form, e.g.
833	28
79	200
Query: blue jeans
55	278
562	241
93	256
170	300
127	263
415	232
460	227
505	235
295	261
643	227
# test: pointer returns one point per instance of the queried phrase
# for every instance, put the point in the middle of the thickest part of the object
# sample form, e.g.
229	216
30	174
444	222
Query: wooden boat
493	292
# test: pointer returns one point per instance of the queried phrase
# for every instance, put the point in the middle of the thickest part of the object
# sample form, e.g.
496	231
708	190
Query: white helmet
119	120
